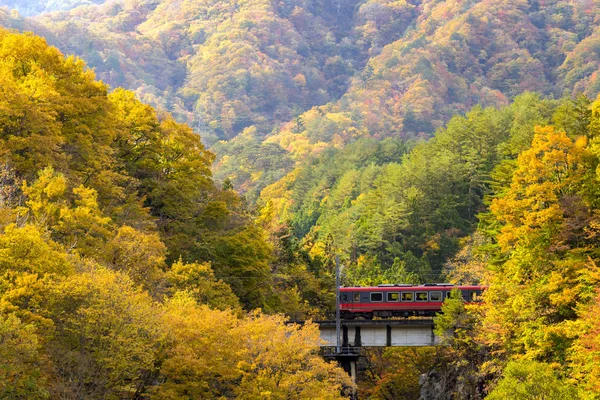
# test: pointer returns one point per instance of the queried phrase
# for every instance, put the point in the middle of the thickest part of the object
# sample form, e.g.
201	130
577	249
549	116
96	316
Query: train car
399	300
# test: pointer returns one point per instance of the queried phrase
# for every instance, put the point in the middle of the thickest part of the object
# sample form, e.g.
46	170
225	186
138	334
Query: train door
345	300
355	299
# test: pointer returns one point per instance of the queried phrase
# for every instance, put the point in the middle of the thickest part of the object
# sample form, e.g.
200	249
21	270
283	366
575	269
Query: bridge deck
378	322
390	332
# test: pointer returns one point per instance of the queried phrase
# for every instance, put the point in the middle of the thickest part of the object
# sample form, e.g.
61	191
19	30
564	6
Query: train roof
402	286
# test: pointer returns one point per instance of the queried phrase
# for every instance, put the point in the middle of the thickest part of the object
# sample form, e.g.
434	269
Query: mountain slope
221	66
298	76
459	55
35	7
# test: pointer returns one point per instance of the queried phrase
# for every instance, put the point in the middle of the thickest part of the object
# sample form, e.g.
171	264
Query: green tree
454	322
524	380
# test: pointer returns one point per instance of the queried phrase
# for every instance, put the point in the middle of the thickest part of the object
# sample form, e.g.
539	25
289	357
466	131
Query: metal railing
330	351
379	322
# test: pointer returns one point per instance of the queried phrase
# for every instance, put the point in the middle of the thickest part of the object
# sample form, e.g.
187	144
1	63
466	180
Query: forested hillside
307	74
124	270
537	332
35	7
398	216
421	141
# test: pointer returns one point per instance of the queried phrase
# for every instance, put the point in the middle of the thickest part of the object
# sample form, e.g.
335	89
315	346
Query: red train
400	300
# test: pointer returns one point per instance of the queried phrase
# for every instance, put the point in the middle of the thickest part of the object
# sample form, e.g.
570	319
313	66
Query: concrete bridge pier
356	334
347	358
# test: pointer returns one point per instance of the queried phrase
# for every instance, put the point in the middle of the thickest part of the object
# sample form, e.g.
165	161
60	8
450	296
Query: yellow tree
544	270
29	249
141	255
198	279
201	358
584	355
53	113
213	354
595	136
31	135
282	361
107	335
76	220
21	360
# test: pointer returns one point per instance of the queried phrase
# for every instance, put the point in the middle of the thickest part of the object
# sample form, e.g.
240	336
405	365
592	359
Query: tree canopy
122	264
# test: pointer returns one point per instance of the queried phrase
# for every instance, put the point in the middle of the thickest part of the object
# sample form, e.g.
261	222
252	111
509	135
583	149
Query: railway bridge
355	334
379	333
342	339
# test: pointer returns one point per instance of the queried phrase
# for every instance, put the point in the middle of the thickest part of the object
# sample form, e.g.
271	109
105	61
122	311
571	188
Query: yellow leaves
107	332
199	282
45	195
551	168
255	176
28	249
534	293
561	292
318	250
24	295
87	198
584	355
286	361
83	226
300	80
215	354
580	144
21	359
433	243
80	225
341	119
46	102
201	350
138	254
182	151
108	335
18	49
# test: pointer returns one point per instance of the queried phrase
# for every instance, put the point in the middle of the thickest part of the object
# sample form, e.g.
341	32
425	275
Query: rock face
451	384
434	386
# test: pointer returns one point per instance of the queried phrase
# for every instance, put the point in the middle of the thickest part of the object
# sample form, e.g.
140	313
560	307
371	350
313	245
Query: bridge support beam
380	333
347	359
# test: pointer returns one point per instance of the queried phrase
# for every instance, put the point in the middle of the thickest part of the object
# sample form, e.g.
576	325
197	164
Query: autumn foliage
419	140
114	245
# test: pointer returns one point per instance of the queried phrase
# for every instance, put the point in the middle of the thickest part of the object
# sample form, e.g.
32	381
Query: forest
267	82
177	178
125	272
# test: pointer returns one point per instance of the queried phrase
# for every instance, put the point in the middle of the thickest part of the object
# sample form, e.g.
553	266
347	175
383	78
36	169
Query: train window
344	297
447	295
474	296
408	296
421	296
376	296
435	296
356	297
393	296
